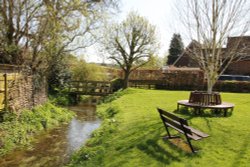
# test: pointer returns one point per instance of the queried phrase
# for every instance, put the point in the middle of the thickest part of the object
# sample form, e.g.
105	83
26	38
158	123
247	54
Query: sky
161	13
158	12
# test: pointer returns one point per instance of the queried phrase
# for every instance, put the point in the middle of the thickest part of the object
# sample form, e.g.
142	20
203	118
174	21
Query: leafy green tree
154	62
40	33
175	49
131	43
81	71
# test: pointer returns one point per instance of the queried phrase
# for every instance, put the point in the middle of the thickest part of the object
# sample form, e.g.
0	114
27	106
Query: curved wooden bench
223	106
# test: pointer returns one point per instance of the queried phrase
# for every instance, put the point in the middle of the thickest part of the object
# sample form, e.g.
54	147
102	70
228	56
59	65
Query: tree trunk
126	78
209	86
210	83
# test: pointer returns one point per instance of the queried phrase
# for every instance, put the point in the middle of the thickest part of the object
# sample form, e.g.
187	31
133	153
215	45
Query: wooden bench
224	106
180	125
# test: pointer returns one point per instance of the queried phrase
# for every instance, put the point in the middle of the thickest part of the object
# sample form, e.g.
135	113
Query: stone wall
21	92
23	95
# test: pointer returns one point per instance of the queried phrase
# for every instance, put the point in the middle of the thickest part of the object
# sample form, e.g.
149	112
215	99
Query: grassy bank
131	133
18	131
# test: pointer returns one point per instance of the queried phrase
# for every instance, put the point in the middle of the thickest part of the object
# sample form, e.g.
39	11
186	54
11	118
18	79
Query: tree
131	43
40	33
82	71
209	23
154	62
175	49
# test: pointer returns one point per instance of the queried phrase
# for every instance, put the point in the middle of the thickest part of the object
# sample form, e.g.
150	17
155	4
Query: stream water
53	148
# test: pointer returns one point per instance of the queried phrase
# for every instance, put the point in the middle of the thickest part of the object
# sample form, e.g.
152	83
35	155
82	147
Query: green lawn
133	136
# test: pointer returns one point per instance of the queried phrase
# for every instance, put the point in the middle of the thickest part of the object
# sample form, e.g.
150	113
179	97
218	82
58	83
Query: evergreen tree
175	49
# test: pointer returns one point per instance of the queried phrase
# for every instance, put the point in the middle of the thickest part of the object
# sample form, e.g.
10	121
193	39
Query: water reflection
54	147
79	131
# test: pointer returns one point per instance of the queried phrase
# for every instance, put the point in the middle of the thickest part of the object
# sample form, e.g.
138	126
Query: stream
54	147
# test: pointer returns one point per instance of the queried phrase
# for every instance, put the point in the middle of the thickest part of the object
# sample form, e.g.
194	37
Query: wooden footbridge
94	88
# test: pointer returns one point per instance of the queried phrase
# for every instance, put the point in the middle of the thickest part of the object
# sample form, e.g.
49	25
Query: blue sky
158	12
161	13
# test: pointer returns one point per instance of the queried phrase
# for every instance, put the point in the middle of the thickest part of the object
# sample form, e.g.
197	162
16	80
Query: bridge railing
91	87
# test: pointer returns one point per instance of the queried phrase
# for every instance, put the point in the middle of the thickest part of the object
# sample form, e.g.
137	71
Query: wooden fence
5	80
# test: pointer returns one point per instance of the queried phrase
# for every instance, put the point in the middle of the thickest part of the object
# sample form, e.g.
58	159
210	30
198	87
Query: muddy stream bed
54	147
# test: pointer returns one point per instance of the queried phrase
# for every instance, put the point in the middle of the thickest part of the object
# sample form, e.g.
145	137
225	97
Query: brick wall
146	75
184	78
172	78
239	68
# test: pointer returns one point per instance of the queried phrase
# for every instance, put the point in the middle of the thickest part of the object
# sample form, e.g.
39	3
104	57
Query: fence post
5	92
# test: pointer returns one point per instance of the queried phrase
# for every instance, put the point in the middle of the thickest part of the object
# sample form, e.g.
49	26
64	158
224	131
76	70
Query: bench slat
197	132
191	132
190	135
171	122
172	116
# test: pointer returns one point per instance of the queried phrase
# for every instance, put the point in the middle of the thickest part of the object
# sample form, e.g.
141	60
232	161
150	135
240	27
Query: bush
61	97
117	84
232	86
18	131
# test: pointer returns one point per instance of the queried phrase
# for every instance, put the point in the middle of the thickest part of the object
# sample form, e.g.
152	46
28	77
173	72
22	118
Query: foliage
58	74
131	43
40	34
137	135
154	62
18	131
85	71
232	86
175	49
117	84
116	95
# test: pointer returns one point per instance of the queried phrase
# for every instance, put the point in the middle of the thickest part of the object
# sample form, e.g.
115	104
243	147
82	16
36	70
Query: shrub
18	131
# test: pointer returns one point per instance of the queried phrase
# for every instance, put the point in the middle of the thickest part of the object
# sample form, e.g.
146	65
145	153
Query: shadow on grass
152	148
242	152
191	114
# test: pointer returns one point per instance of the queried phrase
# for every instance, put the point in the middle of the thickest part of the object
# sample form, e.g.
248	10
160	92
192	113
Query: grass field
132	137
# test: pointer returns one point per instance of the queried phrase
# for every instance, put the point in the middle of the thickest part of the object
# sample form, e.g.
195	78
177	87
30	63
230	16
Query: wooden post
5	92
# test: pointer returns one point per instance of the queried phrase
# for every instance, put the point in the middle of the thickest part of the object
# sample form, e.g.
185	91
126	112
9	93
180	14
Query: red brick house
241	67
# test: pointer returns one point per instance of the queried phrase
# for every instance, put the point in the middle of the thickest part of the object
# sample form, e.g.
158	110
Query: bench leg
197	110
190	144
169	135
225	112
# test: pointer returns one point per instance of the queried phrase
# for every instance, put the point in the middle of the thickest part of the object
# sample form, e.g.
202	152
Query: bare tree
131	43
209	23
